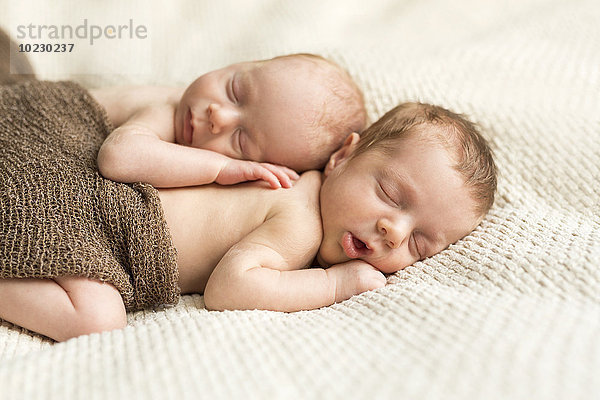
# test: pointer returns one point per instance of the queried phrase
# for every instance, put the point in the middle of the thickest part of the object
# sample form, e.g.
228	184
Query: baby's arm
143	149
263	271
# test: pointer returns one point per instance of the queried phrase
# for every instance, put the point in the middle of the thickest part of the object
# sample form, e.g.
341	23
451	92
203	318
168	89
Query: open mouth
354	247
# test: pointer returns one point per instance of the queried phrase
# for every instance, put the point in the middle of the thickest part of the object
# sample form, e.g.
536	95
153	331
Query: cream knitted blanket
510	312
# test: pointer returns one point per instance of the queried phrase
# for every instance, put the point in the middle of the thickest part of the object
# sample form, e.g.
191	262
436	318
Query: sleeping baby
259	120
414	182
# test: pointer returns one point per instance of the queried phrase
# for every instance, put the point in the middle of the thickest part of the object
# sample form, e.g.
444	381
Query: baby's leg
62	308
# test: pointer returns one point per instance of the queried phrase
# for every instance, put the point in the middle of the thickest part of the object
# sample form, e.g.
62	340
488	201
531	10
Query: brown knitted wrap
59	216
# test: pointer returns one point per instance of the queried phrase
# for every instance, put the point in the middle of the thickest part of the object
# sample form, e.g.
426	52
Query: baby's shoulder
300	206
296	214
303	198
122	102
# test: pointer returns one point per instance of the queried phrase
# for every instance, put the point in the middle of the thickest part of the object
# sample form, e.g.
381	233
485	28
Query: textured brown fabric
59	216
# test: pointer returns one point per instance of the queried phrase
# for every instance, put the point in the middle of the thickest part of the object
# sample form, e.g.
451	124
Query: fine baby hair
342	112
472	154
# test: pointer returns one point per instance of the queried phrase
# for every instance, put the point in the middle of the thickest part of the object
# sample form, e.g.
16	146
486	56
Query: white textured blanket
510	312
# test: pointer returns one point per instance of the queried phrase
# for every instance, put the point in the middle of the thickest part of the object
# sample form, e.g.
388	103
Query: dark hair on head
472	153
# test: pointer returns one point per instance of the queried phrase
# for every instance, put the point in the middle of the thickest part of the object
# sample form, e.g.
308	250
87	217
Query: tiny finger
269	177
283	178
288	171
292	174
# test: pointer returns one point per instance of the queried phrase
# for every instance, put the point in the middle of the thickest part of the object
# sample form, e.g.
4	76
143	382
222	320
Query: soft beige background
510	312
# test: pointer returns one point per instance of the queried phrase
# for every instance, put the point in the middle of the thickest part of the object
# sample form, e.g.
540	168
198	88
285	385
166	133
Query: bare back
206	221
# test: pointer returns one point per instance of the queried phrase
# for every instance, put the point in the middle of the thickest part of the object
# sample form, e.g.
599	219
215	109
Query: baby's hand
354	277
236	171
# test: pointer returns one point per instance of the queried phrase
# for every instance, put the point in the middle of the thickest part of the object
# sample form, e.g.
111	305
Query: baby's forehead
417	148
283	74
291	101
309	75
424	135
293	62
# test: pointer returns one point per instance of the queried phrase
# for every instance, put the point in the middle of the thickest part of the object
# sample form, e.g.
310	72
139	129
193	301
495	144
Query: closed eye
234	96
386	195
240	140
412	237
230	91
236	141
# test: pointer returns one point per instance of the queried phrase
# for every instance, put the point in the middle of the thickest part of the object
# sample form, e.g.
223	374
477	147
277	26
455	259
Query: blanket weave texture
59	216
511	312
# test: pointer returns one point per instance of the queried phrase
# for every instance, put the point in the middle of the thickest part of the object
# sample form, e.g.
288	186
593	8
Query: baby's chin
326	262
319	261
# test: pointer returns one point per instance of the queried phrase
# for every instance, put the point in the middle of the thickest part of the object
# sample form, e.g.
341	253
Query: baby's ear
343	152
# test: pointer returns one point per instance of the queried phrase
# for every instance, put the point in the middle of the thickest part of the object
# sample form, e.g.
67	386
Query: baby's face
392	210
260	111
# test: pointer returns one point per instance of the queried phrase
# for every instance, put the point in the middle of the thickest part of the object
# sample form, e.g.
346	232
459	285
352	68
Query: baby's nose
394	231
222	118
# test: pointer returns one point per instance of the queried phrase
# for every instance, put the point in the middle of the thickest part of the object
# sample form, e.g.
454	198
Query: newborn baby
417	180
248	121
